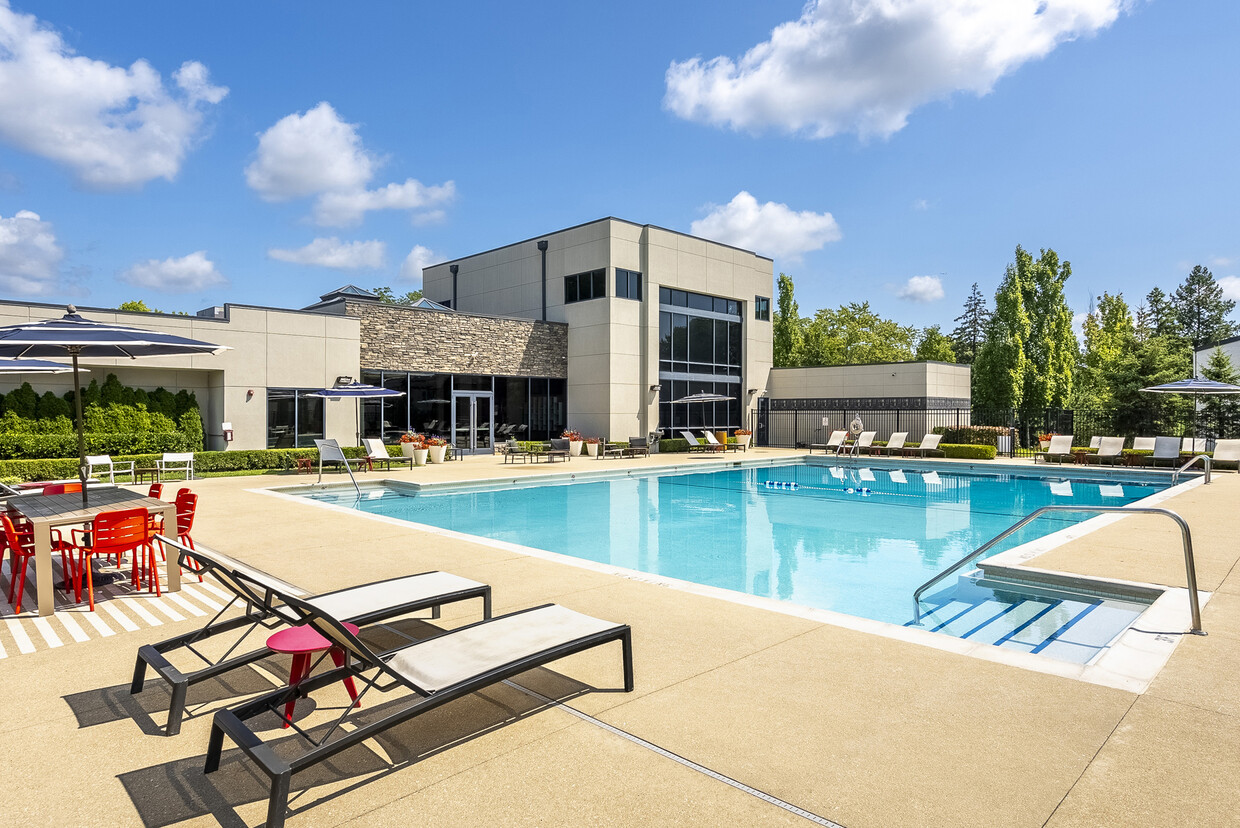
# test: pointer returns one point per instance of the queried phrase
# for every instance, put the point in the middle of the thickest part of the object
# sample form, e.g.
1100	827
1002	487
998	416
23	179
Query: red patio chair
156	490
20	542
62	488
114	533
187	507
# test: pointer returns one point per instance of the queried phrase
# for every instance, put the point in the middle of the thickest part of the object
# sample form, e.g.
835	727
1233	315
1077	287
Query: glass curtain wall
294	420
699	352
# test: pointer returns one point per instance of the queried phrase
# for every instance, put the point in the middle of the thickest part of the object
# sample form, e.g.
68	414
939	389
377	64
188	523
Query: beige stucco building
653	316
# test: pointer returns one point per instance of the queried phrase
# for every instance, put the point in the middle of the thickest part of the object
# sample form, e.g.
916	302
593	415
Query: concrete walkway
854	728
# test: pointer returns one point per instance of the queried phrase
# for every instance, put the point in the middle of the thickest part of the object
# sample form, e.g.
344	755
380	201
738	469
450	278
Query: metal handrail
1190	568
1175	475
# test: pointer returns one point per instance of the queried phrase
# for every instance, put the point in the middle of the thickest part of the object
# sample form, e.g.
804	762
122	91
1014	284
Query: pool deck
858	729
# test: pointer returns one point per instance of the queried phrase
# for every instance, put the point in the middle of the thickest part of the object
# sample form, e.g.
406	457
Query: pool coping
1130	662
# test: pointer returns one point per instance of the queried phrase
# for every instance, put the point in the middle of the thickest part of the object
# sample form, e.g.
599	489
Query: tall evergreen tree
788	330
1201	311
970	331
1109	334
1156	316
999	372
1221	412
1051	349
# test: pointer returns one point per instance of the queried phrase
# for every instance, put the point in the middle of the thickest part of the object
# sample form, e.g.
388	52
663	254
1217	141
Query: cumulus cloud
864	65
418	258
114	127
184	275
319	154
922	289
29	255
333	253
1231	287
769	229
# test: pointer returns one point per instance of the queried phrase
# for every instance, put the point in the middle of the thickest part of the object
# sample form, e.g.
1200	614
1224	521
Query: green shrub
968	451
190	424
204	462
672	445
972	435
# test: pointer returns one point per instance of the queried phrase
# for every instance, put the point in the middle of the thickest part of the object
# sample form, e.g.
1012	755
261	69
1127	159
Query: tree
788	330
999	372
1109	334
970	329
854	335
387	295
934	345
1201	311
1051	348
136	306
1220	411
1156	317
1155	361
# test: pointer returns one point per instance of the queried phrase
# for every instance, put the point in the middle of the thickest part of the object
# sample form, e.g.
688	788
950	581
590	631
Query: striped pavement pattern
118	608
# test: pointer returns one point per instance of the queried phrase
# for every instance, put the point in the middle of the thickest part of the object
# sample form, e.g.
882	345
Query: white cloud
921	204
29	256
114	127
922	289
769	229
1231	287
1221	261
863	65
333	253
318	154
184	275
418	258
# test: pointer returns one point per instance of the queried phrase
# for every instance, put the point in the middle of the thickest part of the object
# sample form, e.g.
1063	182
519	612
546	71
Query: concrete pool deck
855	728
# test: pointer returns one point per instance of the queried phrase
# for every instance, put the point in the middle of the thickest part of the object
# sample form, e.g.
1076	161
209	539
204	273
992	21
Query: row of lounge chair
1163	449
897	444
431	671
712	443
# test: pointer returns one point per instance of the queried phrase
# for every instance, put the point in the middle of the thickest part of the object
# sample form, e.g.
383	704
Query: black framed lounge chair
929	443
894	444
262	596
697	445
1110	450
637	445
513	452
835	443
560	447
1059	449
1165	449
376	452
435	670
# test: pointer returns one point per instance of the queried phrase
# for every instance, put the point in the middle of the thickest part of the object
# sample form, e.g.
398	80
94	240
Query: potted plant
743	436
1045	440
436	448
574	442
413	445
591	444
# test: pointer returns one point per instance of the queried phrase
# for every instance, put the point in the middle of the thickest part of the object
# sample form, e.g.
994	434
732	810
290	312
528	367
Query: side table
141	475
305	465
302	642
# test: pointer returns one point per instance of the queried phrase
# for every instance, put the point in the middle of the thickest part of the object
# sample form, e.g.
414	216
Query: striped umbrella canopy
75	336
33	366
358	391
1194	386
703	397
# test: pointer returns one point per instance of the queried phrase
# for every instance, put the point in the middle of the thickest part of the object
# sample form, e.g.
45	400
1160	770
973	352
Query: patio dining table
47	511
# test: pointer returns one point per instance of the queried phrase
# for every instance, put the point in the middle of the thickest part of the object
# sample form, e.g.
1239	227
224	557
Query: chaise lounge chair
1193	445
696	445
929	443
834	442
711	440
1060	448
436	670
262	596
637	445
1226	451
1110	450
1166	448
894	444
376	452
864	442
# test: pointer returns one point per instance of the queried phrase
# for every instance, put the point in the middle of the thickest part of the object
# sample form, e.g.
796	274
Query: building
652	316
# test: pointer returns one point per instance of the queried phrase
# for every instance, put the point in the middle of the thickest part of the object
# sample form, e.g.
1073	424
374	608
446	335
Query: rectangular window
294	419
580	287
762	308
628	284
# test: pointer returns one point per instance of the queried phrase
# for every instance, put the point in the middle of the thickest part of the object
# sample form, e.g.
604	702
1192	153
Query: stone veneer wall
412	339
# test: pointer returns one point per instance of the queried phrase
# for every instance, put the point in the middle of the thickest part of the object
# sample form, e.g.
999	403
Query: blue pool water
846	538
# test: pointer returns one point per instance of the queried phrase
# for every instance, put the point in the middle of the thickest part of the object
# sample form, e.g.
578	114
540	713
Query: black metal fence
801	428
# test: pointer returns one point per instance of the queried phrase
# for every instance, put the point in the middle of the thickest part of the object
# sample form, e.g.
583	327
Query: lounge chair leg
486	603
139	676
215	746
278	804
626	642
176	710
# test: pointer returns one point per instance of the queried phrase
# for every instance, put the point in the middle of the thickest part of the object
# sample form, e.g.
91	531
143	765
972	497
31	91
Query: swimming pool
851	538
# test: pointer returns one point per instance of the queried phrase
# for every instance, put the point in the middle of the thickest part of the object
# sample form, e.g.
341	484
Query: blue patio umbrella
75	336
357	391
1194	386
34	366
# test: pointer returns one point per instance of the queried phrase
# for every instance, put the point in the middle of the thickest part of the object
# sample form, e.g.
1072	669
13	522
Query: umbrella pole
81	433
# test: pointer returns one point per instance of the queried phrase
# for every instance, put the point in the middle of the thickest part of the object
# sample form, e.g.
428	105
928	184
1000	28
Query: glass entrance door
472	425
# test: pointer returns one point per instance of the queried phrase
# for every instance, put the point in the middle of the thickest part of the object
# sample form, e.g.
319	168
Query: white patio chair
174	462
105	462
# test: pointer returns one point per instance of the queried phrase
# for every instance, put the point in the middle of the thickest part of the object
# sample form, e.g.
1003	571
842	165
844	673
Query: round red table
301	643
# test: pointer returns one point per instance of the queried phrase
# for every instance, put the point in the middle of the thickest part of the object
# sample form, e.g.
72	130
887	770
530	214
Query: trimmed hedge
205	462
38	446
672	445
957	451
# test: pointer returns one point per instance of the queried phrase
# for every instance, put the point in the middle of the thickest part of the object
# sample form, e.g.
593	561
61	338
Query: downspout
542	248
454	269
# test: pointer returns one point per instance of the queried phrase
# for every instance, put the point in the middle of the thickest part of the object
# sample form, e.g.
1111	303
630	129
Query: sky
890	151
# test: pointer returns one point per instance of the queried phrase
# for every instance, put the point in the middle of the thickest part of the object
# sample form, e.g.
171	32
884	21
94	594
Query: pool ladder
1175	475
1190	568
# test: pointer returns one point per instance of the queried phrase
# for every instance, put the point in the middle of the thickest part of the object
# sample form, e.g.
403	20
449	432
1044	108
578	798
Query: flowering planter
743	439
418	455
1045	444
592	449
574	448
436	453
407	449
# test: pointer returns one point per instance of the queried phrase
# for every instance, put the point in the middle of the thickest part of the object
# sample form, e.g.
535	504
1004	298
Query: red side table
301	643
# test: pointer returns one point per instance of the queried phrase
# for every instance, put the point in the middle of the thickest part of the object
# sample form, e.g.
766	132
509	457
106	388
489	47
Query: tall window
699	352
580	287
294	420
628	284
762	308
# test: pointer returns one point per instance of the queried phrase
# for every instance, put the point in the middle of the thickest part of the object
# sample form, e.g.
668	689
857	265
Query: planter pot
574	448
436	453
1045	444
406	449
419	456
743	439
592	449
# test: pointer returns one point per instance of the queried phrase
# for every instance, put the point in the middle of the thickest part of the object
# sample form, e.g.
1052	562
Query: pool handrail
1190	568
1175	475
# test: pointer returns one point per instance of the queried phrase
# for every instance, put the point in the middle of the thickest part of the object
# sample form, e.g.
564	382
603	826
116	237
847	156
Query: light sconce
656	387
249	394
344	380
753	391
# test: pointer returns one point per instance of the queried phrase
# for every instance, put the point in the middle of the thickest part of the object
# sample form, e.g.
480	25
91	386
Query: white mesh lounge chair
434	671
261	595
1095	442
1142	443
834	443
895	443
1110	450
928	444
697	445
103	463
1192	445
1227	451
864	442
1166	449
376	452
1060	447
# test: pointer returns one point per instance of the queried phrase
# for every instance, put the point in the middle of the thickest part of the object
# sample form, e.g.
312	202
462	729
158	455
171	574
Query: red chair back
13	538
122	530
187	505
62	488
156	490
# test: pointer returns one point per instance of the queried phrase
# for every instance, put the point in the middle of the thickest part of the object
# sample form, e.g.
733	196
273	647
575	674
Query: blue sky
889	150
